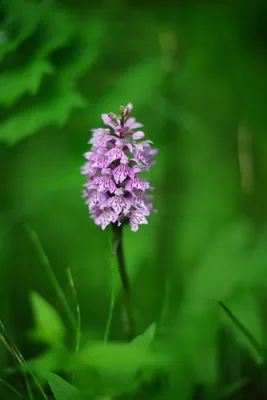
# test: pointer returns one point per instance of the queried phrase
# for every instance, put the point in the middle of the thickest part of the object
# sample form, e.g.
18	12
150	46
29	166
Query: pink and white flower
114	191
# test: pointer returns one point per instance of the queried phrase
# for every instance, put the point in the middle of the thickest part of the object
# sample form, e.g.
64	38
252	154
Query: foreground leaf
145	339
49	326
61	389
121	356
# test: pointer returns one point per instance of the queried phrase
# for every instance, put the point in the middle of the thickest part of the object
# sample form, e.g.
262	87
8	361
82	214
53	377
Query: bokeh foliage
196	74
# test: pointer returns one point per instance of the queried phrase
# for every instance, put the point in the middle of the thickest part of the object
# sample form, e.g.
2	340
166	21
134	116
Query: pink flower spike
114	191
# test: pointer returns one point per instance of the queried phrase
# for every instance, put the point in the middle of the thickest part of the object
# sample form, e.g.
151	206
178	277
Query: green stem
118	250
19	357
43	257
112	296
257	346
10	387
28	386
78	313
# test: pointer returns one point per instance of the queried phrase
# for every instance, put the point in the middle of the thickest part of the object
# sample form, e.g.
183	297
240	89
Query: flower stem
112	295
118	250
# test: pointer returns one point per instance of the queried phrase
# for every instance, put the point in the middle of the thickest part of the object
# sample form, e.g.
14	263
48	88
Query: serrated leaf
49	327
61	389
145	339
40	114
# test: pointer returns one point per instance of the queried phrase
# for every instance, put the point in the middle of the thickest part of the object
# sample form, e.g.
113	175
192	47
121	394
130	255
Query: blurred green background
196	75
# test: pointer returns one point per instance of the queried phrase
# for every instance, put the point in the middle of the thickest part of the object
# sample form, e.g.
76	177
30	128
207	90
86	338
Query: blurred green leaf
61	389
145	339
121	356
51	361
49	326
119	363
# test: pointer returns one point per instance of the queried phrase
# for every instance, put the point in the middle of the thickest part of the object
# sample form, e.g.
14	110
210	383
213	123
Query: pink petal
133	225
136	125
129	108
138	135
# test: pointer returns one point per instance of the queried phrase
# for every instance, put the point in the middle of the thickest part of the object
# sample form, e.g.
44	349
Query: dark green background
196	75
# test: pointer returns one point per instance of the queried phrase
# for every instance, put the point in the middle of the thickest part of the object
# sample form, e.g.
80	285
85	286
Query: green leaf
61	389
119	356
56	359
49	326
145	339
118	363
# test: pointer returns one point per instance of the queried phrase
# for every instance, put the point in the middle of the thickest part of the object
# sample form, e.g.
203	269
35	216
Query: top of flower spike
121	124
114	191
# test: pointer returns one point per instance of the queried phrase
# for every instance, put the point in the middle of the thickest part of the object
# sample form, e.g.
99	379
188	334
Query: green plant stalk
19	357
12	388
117	242
13	351
78	316
43	257
257	346
112	295
28	386
78	312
